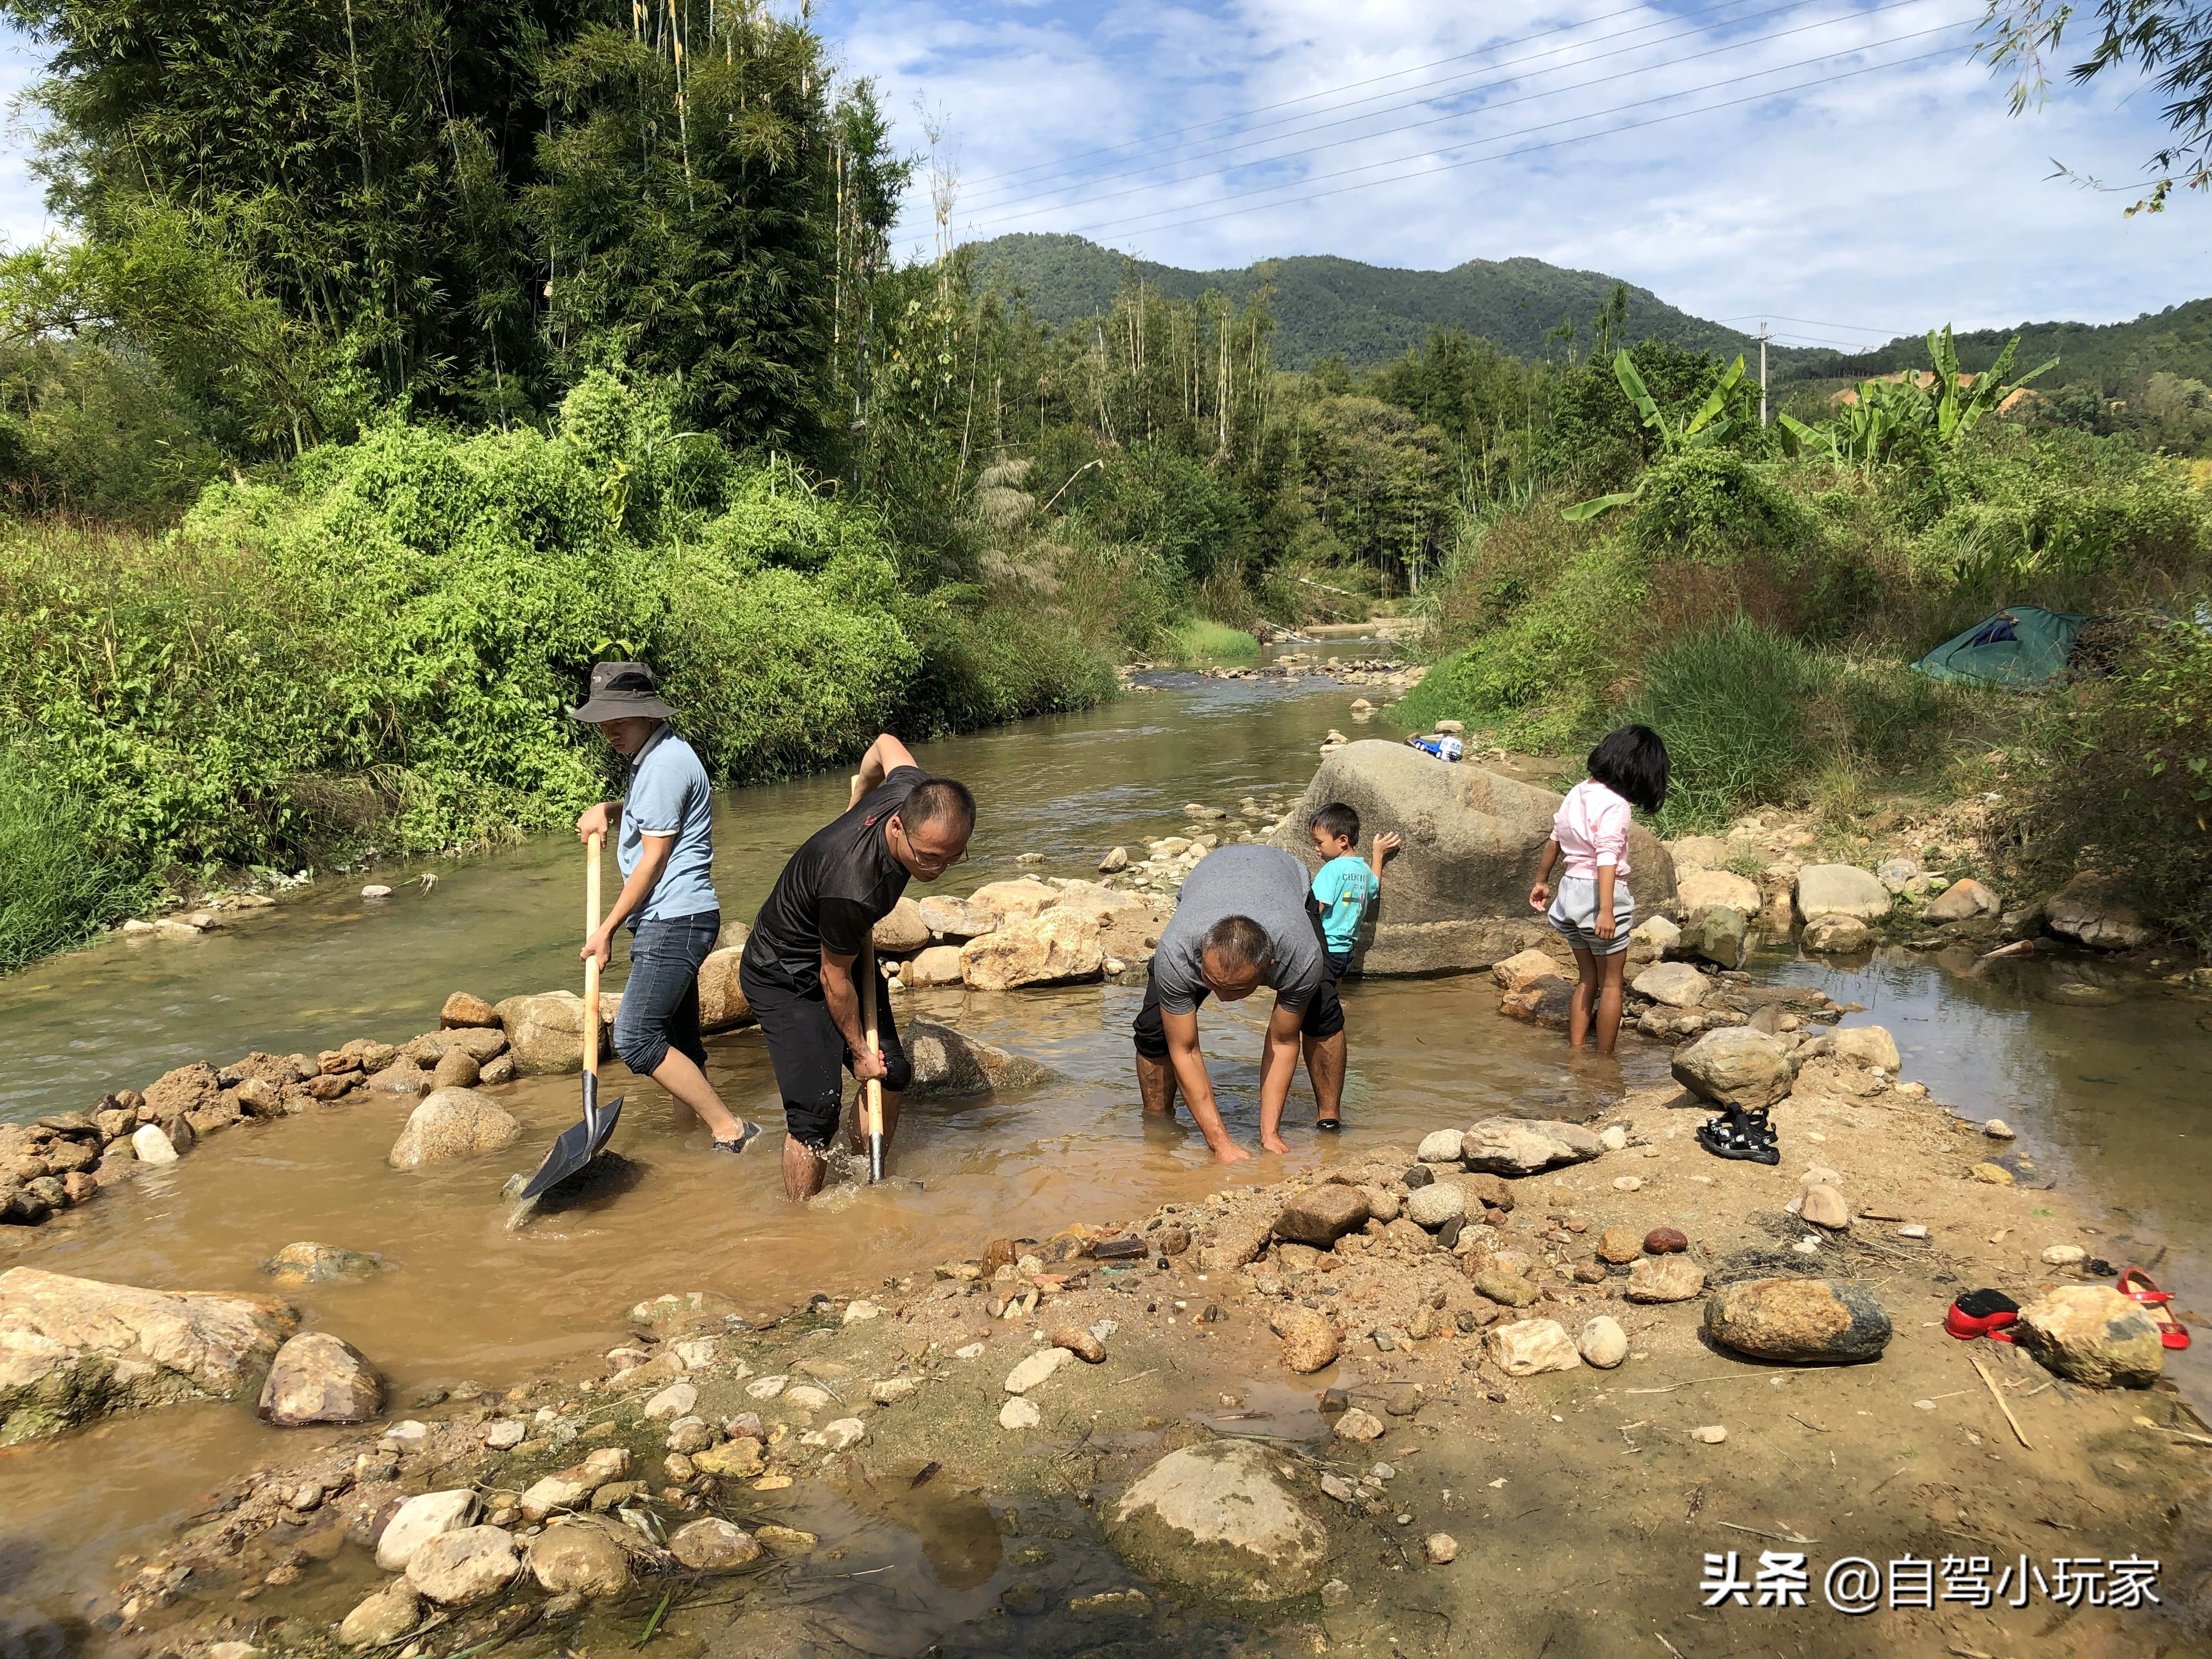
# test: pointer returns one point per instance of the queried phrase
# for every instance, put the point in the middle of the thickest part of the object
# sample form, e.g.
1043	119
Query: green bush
2118	777
1711	505
1729	703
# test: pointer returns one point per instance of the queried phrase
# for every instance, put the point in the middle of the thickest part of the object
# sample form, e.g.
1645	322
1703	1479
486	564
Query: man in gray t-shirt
1245	919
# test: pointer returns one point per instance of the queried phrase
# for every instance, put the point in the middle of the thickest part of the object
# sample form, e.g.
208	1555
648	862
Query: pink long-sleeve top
1591	827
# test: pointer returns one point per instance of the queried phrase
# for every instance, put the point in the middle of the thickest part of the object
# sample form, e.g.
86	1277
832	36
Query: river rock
937	965
152	1146
469	1564
1735	1065
1507	1290
1805	1322
71	1349
1115	860
1700	888
1657	934
383	1617
1834	934
1523	1145
1717	933
1523	969
1824	1206
1438	1204
1619	1244
1841	890
1320	1215
546	1031
419	1519
722	1004
1052	948
1309	1340
738	1458
1218	1519
948	1062
1441	1146
1459	888
1865	1045
2088	1334
1035	1369
1603	1343
461	1009
180	1092
580	1558
1665	1279
317	1378
1022	899
1964	900
456	1069
712	1545
1676	984
1129	924
901	931
2090	912
1529	1346
450	1125
957	919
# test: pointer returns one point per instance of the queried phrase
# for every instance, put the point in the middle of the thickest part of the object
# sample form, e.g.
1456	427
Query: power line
1413	103
1816	322
1543	127
1307	98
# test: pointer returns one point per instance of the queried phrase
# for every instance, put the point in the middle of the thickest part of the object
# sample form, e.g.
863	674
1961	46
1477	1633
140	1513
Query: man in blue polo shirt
666	853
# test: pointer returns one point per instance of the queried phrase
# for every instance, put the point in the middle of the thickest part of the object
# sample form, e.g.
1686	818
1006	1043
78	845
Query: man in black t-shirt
797	968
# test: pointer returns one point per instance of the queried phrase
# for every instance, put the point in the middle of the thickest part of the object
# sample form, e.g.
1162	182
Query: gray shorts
1574	913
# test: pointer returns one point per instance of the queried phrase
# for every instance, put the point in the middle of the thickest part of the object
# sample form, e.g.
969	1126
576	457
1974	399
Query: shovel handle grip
872	1093
592	966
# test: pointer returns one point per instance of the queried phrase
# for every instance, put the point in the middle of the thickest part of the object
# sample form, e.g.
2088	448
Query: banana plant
1711	422
1865	432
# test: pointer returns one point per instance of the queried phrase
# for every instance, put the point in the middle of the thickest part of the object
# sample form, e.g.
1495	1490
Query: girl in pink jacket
1592	909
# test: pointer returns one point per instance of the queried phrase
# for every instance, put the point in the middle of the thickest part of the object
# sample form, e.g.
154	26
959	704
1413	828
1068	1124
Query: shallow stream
2108	1099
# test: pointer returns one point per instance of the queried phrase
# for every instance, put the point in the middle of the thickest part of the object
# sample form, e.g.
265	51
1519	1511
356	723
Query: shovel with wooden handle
580	1143
872	1092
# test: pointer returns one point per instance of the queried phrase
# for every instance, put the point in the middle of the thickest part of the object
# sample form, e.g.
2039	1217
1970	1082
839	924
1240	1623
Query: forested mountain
1368	314
2112	356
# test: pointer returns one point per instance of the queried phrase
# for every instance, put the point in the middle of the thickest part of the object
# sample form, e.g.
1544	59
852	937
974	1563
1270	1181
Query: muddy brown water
2107	1099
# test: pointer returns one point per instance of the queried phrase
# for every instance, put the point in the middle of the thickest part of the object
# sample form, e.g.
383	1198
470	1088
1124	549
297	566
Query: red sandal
1982	1313
2171	1330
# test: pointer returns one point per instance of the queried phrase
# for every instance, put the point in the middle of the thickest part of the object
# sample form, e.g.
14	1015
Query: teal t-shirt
1344	888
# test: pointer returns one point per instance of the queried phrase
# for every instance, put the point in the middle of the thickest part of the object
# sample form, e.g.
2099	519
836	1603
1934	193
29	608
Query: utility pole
1762	372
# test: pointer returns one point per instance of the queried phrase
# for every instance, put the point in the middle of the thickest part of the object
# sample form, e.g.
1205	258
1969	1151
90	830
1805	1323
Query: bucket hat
621	691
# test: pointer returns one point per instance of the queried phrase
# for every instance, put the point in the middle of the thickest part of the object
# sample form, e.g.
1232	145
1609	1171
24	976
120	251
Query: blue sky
1843	162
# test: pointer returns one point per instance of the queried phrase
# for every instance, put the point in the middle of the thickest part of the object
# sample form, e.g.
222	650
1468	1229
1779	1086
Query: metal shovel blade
580	1143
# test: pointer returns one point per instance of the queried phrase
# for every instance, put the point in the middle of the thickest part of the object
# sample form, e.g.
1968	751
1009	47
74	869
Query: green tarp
2021	645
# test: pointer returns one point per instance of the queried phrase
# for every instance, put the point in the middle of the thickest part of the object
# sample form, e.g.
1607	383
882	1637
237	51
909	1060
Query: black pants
1324	1014
810	1055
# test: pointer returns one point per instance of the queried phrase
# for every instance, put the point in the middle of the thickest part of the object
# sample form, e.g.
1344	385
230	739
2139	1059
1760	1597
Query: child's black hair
1631	762
1337	819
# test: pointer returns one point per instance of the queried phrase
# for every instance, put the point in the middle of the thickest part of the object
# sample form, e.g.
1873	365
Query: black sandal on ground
1745	1136
1330	1124
748	1133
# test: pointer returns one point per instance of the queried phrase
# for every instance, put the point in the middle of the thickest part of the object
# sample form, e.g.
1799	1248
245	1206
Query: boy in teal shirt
1346	885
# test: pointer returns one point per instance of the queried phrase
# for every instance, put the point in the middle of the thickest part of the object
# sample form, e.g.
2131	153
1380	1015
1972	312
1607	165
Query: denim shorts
660	1004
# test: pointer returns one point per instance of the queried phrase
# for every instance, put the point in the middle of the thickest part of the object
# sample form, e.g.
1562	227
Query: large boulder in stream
450	1125
73	1349
317	1378
1457	894
1050	948
722	1004
946	1062
546	1030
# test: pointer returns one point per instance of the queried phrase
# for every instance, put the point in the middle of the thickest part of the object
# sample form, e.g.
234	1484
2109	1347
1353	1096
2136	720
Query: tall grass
1729	701
1195	640
57	881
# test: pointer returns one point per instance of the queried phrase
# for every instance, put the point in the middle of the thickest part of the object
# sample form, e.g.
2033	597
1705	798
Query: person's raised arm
1197	1087
1381	848
1278	1064
884	756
